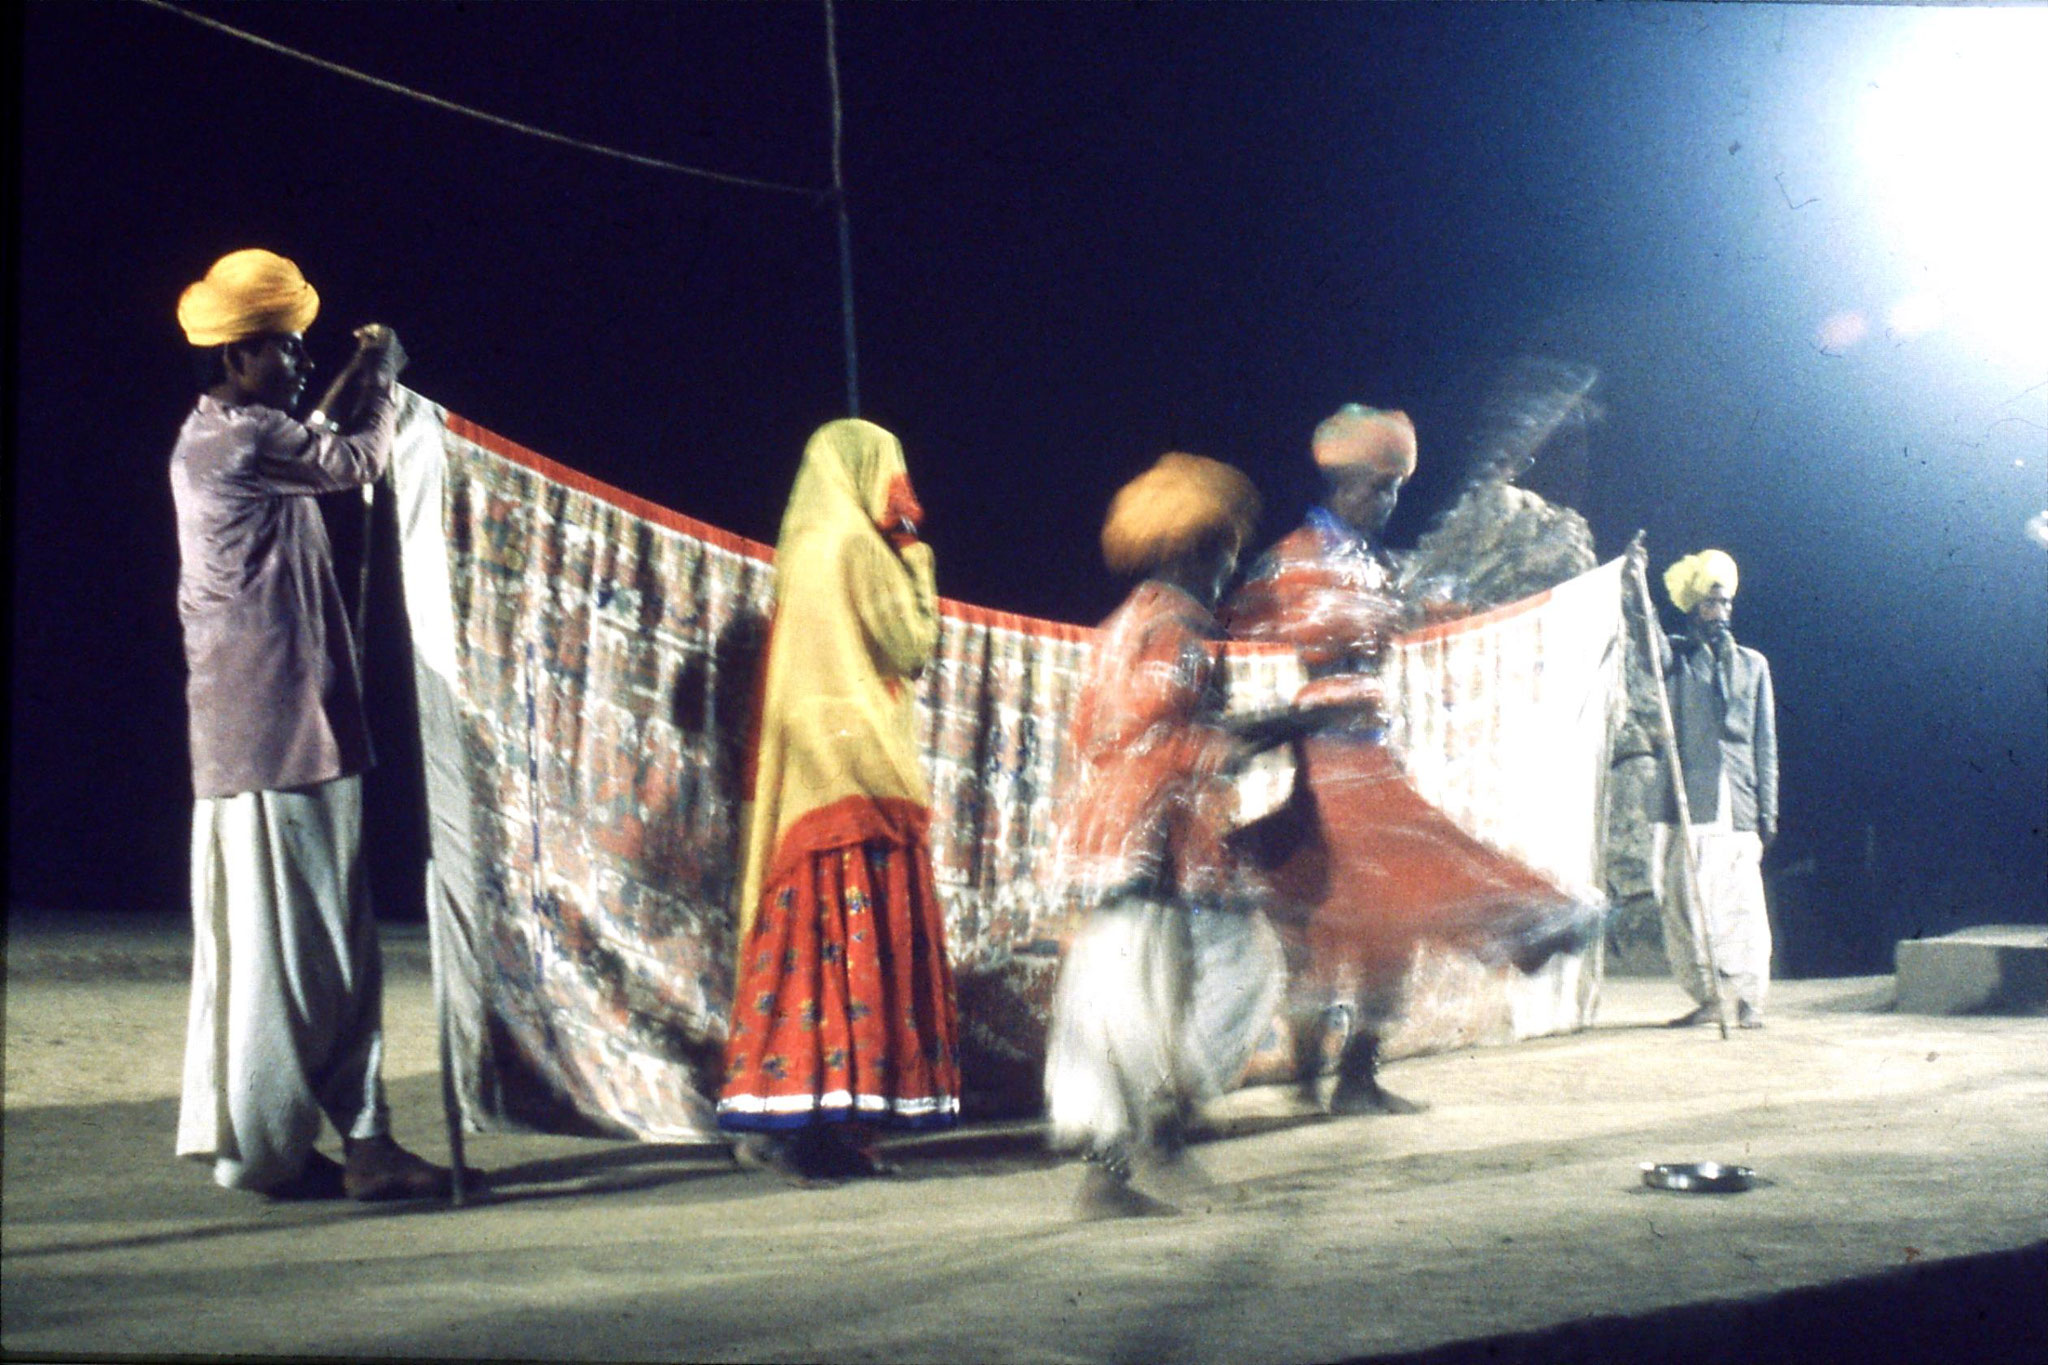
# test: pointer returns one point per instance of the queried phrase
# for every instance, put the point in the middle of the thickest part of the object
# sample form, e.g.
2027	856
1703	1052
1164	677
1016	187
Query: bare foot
377	1168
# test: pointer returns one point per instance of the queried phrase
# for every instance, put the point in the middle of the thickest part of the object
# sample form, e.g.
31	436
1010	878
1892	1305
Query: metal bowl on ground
1697	1177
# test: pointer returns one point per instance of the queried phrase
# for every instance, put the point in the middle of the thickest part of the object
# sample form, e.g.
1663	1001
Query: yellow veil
855	620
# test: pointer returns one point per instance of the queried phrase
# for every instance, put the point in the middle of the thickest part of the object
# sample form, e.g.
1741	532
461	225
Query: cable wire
392	87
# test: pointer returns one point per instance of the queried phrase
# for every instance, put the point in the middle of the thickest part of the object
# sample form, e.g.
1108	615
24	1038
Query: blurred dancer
1328	590
1726	722
1133	1046
286	1018
843	1011
1366	868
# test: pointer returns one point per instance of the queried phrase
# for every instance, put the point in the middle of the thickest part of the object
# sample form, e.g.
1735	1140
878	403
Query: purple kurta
272	692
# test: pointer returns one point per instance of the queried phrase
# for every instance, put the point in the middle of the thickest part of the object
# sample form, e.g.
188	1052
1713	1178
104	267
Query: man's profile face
1224	567
1364	497
1712	613
1206	570
271	370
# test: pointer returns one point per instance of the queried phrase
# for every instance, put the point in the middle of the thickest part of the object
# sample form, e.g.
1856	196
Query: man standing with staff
287	1000
1724	719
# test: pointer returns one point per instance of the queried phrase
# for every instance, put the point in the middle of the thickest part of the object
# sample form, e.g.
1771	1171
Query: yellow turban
1172	508
246	294
1689	580
1355	434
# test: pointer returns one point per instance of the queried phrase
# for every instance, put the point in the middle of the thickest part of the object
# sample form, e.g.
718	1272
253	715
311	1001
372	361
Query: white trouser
1114	1065
286	983
1157	1008
1738	924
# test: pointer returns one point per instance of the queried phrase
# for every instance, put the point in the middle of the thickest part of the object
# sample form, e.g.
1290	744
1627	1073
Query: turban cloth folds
1690	579
1354	435
246	294
1172	508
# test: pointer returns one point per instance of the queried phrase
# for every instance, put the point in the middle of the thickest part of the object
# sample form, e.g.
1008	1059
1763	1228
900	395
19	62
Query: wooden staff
345	390
451	1103
1695	911
337	410
362	605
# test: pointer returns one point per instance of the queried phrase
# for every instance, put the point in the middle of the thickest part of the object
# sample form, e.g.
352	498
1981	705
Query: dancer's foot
766	1154
1702	1014
1358	1089
377	1168
1748	1015
855	1152
1310	1058
1106	1194
1172	1131
1369	1097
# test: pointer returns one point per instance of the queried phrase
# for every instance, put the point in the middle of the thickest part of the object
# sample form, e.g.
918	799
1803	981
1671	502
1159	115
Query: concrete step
1990	969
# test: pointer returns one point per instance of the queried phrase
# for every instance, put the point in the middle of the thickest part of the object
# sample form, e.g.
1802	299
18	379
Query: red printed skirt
844	1004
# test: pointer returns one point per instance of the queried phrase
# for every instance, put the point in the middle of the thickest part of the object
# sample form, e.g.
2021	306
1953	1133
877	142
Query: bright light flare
1914	316
1840	331
1955	137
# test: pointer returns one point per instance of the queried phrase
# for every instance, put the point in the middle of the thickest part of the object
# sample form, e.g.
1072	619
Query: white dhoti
287	988
1738	923
1156	1009
1240	976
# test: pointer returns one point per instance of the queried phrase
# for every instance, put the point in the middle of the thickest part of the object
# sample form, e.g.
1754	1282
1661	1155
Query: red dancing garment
844	1002
1380	869
1147	810
1369	866
1324	591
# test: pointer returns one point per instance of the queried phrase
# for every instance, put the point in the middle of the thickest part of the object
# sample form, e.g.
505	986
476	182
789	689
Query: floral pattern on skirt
844	1003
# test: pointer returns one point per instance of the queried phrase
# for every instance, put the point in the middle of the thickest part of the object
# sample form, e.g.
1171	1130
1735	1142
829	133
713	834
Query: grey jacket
1727	721
272	690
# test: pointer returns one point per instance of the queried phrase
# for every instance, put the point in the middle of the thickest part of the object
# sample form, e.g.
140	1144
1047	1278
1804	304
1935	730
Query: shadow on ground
1990	1309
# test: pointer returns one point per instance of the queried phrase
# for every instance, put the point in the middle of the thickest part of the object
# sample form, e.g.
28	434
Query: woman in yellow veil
843	1016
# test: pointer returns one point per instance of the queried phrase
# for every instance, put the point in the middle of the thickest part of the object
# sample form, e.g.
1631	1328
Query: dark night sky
1083	235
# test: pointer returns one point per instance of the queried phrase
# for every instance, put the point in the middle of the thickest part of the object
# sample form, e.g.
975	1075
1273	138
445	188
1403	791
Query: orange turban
1173	507
1358	435
246	294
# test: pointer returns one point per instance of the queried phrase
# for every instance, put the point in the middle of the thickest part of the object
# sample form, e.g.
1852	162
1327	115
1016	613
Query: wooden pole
845	225
1695	911
360	619
438	949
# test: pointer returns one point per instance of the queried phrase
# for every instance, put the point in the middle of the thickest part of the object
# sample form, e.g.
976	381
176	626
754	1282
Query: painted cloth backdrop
1504	721
584	662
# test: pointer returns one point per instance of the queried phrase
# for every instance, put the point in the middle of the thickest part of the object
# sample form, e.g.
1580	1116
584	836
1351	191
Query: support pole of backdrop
1695	909
440	953
839	206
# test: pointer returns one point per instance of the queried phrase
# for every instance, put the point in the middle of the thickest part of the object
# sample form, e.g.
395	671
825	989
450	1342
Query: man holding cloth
287	1002
1725	719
